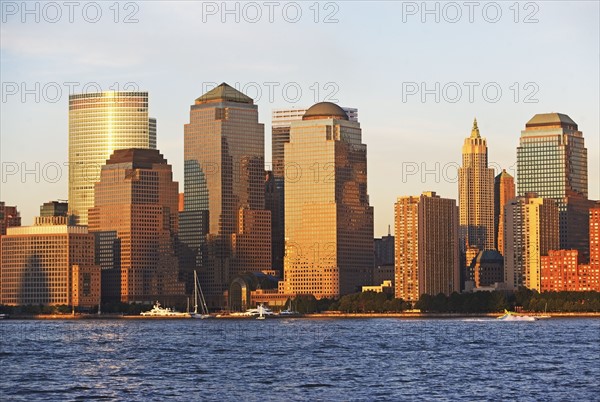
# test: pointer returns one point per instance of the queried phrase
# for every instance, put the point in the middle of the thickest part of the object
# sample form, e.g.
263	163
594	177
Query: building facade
328	219
50	263
561	271
504	191
552	162
136	203
476	195
100	123
531	230
9	217
227	228
427	250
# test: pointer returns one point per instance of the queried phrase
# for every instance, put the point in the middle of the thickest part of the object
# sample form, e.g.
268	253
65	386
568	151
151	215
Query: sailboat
199	298
545	315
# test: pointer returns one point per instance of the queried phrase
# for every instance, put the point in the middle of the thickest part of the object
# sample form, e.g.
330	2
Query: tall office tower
225	190
136	204
51	263
530	231
427	252
280	135
328	220
383	267
552	162
476	195
100	123
504	191
274	204
9	217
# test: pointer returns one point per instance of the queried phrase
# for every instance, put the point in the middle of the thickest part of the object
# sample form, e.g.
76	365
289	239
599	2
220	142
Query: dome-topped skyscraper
323	110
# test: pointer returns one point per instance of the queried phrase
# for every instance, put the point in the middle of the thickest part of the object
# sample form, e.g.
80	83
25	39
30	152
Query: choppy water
299	359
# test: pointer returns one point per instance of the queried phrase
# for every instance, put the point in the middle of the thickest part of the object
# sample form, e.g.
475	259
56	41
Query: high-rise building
427	253
504	191
100	123
595	238
280	135
50	263
328	220
552	162
135	210
530	231
227	229
9	217
476	194
54	208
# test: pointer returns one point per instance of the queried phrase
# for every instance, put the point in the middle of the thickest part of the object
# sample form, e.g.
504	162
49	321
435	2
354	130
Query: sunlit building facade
100	123
531	230
552	162
328	219
561	271
227	228
50	263
476	194
136	203
427	250
504	191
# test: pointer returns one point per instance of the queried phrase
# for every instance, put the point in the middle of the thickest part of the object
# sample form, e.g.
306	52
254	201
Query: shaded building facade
227	228
504	191
9	217
135	212
328	219
100	123
426	251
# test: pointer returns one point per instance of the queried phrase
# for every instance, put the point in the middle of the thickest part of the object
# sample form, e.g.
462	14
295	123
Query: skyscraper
476	194
280	135
427	253
552	162
9	217
100	123
595	239
328	220
229	230
531	230
504	191
136	202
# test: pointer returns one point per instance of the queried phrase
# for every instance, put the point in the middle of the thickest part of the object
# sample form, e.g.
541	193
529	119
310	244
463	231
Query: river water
299	359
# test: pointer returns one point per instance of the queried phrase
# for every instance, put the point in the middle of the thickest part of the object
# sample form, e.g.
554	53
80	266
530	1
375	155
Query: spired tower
476	195
328	220
225	227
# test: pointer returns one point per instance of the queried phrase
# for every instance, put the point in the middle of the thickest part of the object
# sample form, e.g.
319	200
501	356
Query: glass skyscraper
99	124
552	162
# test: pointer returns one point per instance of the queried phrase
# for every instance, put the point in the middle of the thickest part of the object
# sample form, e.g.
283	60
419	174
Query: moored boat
510	316
158	311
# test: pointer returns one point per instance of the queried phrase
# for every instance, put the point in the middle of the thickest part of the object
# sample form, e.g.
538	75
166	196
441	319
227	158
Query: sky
417	72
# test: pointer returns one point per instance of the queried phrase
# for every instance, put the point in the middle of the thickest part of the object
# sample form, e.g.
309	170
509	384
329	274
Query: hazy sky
384	58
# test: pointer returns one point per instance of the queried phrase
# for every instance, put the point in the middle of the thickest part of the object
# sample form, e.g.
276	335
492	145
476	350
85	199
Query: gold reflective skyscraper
99	124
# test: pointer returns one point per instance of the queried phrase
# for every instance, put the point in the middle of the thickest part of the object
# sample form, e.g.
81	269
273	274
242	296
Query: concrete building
427	250
100	123
504	191
486	269
531	230
226	229
552	162
328	219
280	135
50	263
476	195
135	211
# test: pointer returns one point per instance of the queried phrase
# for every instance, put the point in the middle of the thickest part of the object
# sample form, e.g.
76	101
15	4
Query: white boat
510	316
158	311
288	311
545	315
199	297
3	316
261	312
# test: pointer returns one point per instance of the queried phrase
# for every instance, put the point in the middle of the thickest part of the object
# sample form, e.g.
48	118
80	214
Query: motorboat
510	316
158	311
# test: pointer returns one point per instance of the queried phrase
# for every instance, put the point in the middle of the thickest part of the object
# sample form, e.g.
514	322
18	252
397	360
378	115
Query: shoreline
327	315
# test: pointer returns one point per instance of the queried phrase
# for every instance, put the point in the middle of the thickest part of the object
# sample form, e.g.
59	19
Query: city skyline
471	52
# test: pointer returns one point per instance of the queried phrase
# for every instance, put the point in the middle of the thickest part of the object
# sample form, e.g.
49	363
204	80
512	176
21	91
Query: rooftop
224	93
550	119
140	158
323	110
